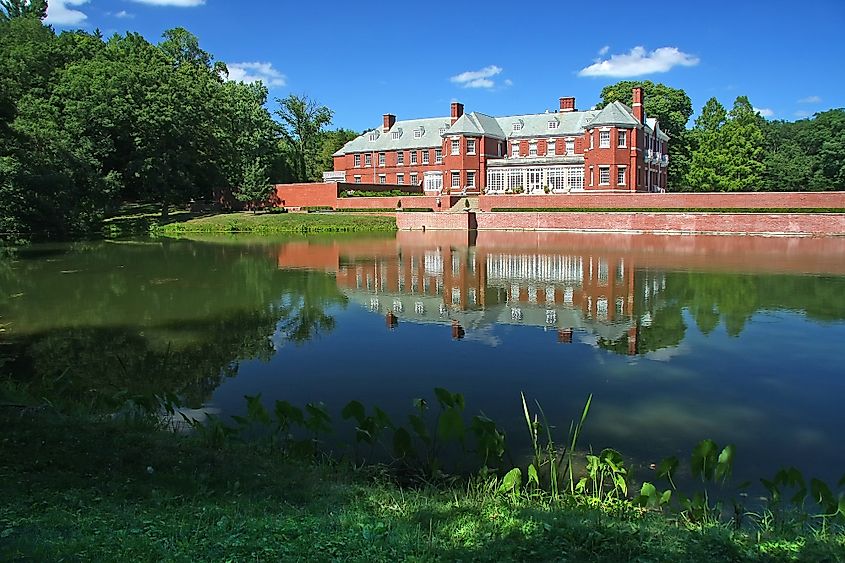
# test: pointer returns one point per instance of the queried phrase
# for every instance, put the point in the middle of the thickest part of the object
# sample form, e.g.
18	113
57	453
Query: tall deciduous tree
23	9
302	121
255	185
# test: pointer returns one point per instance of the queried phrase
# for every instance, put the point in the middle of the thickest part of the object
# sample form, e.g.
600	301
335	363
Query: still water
741	340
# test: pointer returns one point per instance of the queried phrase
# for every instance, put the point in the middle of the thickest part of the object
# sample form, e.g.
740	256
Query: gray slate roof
533	125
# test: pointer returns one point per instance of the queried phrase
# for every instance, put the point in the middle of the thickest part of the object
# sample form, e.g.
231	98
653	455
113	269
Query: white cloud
59	13
810	100
177	3
124	14
603	51
765	112
508	82
477	78
253	72
639	62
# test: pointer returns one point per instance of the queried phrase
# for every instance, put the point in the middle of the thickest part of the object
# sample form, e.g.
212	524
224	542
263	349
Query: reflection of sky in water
774	391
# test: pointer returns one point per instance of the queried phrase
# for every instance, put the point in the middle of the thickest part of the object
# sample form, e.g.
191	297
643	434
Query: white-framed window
553	124
382	179
400	158
418	133
532	148
357	160
620	175
400	179
517	126
443	130
604	139
550	147
357	179
368	159
570	146
622	139
456	179
373	135
592	176
397	134
456	146
470	146
413	157
425	156
470	178
515	148
592	139
413	178
381	159
438	156
604	175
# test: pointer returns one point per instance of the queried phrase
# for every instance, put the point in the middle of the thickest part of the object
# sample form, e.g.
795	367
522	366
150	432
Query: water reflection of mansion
469	288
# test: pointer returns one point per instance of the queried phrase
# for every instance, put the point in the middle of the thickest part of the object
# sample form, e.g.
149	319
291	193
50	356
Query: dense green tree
254	187
330	142
302	121
23	9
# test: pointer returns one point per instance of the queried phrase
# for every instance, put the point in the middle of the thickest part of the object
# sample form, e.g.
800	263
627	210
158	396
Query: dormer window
373	135
553	124
517	125
443	130
418	133
397	134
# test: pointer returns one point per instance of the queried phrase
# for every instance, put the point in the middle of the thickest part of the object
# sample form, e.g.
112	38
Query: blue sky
413	58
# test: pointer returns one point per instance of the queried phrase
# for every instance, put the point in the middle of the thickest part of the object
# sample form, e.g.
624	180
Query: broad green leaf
667	467
532	475
287	414
450	425
255	409
648	490
666	497
353	409
418	425
382	418
724	464
703	460
511	481
444	397
420	405
822	495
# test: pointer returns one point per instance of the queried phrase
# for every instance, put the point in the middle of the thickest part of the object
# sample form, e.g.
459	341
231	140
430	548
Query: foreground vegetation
281	223
77	488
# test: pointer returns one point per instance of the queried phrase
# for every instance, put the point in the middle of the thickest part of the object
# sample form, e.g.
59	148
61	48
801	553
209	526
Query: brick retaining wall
736	200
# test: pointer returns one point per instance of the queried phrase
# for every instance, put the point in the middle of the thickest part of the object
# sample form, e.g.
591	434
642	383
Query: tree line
738	149
87	123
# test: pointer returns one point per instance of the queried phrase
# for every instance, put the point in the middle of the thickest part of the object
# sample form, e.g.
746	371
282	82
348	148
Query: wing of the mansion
616	148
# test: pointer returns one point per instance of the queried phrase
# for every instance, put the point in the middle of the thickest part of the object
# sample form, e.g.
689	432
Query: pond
737	339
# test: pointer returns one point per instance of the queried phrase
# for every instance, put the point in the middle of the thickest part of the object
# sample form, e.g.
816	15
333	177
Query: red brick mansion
616	148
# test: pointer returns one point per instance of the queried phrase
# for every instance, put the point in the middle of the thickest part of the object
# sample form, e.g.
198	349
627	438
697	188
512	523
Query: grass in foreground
247	222
77	489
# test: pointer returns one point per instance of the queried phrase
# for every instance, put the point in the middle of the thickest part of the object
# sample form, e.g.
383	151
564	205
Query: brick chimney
637	106
457	111
389	120
567	104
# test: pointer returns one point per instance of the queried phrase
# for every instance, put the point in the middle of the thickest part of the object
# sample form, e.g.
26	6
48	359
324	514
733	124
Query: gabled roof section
537	124
476	124
654	125
615	113
429	136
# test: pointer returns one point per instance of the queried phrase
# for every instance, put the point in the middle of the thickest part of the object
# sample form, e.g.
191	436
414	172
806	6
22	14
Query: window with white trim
438	156
368	159
381	159
550	147
620	175
413	157
373	135
570	147
425	156
622	139
400	158
517	126
443	130
592	139
553	124
456	179
413	178
604	139
418	133
357	179
456	146
532	148
470	146
470	178
357	160
604	175
515	149
400	179
382	179
397	134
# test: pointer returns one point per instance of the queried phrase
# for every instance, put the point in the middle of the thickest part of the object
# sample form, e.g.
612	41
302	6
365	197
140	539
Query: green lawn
247	222
79	489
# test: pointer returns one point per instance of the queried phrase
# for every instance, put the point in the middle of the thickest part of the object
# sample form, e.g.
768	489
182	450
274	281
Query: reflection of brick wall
668	201
791	223
434	221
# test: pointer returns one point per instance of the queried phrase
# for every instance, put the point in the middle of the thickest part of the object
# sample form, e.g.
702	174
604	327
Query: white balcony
334	176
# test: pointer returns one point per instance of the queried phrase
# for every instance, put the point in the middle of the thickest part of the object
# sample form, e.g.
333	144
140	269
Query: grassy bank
99	489
281	223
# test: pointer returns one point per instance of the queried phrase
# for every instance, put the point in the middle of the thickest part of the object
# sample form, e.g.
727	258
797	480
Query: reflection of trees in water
728	299
148	319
